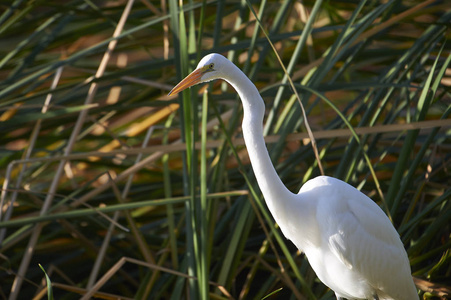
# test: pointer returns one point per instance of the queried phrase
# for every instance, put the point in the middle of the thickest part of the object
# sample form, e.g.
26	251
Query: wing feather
362	237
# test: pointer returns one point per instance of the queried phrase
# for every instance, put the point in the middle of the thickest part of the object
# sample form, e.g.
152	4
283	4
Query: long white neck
274	191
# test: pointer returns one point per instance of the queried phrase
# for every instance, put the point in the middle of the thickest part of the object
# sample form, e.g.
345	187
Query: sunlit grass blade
49	284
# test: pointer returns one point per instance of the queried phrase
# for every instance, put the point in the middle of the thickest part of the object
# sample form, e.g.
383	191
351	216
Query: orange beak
189	81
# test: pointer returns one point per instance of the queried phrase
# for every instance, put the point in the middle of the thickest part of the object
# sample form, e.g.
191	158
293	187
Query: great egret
349	241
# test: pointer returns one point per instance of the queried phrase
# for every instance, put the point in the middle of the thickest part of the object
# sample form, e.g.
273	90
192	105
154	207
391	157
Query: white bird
348	240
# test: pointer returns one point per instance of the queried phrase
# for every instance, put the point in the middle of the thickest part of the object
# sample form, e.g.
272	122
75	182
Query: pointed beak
189	81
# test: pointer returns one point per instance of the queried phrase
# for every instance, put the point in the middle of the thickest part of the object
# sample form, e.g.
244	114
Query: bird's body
358	253
349	241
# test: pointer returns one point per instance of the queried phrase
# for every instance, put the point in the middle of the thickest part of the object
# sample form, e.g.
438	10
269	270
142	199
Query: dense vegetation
122	192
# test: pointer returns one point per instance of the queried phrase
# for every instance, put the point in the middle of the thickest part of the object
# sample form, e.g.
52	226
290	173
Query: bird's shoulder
355	228
343	210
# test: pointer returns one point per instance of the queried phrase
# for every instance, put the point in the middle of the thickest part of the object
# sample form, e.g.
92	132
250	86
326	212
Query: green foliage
124	192
49	284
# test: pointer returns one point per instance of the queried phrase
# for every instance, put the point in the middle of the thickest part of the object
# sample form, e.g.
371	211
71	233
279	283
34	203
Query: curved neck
274	191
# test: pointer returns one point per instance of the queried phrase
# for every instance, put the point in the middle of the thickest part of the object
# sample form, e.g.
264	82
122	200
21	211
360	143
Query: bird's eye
211	66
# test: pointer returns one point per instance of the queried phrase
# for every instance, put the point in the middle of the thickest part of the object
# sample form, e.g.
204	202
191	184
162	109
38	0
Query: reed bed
113	190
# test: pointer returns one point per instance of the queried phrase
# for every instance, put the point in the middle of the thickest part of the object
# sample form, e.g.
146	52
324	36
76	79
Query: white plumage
349	241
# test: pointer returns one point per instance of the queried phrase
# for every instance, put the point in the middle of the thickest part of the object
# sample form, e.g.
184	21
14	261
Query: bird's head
210	67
